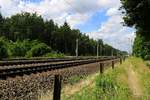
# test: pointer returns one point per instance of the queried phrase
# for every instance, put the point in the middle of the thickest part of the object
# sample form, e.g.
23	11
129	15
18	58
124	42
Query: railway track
19	68
31	61
21	61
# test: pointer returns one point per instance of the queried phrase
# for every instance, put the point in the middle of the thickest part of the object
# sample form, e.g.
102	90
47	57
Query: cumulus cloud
77	19
112	11
74	11
113	32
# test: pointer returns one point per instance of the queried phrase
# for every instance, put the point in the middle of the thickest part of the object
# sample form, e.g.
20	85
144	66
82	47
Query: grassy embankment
143	73
129	81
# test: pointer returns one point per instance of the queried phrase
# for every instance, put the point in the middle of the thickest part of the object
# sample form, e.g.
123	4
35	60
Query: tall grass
106	87
144	75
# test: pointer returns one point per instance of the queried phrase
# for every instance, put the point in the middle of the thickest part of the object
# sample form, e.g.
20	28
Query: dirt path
133	82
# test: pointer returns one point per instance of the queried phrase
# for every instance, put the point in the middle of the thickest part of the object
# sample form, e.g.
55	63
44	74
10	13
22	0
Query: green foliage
137	14
140	49
25	48
19	48
24	26
137	47
1	23
3	48
39	50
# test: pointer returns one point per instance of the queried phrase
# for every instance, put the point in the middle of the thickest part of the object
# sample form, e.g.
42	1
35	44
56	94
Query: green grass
106	87
144	76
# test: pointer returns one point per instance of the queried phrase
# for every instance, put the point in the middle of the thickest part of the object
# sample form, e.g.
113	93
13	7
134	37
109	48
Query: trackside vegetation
116	85
26	48
111	85
143	71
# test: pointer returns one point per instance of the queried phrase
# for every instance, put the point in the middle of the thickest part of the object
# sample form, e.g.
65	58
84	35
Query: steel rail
32	61
11	72
20	62
46	58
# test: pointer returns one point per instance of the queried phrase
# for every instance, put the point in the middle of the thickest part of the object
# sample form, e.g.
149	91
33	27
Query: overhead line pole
77	44
112	52
97	50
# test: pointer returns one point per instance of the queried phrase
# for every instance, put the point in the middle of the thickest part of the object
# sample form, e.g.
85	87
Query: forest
29	35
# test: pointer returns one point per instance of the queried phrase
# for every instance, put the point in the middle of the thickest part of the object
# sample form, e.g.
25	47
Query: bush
3	49
19	48
39	50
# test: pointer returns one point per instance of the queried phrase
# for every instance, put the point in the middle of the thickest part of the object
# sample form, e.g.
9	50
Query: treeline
137	15
27	27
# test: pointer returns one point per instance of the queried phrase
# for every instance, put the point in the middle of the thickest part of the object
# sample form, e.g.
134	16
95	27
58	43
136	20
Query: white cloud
113	32
74	11
112	11
77	19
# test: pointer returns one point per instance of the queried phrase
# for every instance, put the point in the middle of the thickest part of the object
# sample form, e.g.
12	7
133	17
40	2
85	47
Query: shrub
19	48
39	50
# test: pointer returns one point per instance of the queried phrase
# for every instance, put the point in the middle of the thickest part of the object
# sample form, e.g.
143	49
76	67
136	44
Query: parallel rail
19	71
20	62
46	58
42	60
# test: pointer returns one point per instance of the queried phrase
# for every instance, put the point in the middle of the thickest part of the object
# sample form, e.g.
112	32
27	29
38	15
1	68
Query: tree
137	15
140	49
49	28
3	48
23	28
1	24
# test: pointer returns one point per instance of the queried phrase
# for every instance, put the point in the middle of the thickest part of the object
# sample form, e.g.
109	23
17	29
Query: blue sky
93	23
100	19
